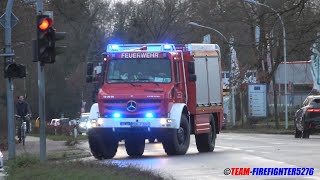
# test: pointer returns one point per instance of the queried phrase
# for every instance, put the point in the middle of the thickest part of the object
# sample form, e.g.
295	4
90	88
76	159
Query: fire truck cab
162	91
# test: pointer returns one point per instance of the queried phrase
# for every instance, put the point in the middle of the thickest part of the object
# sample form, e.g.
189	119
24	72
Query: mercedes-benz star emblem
131	106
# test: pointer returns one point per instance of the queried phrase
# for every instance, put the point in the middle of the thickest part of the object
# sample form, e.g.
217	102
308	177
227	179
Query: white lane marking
255	147
277	143
242	148
266	152
249	150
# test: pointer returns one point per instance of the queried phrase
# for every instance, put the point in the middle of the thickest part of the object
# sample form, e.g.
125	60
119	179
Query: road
232	150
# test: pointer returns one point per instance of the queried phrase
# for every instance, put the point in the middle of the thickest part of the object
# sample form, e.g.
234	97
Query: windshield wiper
149	81
123	81
117	79
153	90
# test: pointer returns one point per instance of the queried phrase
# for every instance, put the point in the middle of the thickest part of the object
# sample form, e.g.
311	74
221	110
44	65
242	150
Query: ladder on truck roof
140	47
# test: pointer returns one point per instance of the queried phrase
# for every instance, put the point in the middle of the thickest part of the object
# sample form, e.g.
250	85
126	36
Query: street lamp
284	57
231	72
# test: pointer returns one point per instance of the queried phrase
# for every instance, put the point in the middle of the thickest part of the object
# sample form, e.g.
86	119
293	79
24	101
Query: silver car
1	160
84	124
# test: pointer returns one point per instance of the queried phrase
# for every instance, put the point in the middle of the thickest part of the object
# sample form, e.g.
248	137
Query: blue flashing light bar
116	115
115	47
167	47
149	115
140	47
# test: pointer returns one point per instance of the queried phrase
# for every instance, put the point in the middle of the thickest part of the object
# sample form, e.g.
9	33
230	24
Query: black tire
135	146
206	142
102	148
297	133
110	148
177	143
306	131
305	134
95	145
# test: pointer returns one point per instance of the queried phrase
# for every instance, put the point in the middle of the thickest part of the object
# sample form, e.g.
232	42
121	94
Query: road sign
257	100
14	20
206	39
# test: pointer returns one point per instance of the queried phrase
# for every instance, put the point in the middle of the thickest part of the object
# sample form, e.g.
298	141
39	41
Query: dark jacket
22	109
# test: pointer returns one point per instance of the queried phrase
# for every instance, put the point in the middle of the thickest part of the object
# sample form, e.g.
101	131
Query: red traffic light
45	23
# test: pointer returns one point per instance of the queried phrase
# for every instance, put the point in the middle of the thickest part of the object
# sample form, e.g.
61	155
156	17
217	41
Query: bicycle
23	127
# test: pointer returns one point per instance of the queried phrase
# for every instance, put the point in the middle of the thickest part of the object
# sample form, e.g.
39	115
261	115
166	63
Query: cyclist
22	110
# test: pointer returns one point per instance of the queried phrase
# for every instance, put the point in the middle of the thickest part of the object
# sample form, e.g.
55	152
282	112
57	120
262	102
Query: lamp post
284	57
231	71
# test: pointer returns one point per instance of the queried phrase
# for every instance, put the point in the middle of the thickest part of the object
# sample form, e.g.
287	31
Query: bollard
75	132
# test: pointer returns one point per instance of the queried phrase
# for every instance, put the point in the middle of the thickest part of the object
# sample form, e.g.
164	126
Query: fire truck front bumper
128	123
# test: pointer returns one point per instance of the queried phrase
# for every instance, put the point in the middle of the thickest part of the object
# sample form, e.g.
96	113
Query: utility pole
9	82
41	98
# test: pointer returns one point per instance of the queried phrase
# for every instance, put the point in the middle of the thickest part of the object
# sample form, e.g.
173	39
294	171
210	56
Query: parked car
73	122
307	118
1	160
60	122
54	122
84	123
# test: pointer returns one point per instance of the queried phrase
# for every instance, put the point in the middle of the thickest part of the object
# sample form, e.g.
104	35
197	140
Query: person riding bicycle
22	110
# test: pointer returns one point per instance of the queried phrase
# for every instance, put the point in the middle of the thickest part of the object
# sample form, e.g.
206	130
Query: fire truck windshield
139	70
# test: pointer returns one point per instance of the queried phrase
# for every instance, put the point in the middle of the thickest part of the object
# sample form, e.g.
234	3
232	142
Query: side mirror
192	77
89	69
191	67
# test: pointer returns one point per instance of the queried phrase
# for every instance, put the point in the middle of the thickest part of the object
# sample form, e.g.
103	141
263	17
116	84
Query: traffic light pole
9	83
41	87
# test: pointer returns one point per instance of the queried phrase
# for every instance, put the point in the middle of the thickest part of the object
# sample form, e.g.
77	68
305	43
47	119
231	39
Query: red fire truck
162	91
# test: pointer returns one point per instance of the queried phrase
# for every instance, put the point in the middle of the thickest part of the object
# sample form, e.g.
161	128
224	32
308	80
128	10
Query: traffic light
14	70
46	40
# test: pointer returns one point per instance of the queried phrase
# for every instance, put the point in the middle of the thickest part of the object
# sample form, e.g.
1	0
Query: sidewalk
32	146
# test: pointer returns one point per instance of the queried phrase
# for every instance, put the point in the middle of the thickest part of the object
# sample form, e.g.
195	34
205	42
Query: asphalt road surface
232	151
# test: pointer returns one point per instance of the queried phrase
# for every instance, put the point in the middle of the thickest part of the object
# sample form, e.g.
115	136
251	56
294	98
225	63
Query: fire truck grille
139	108
142	101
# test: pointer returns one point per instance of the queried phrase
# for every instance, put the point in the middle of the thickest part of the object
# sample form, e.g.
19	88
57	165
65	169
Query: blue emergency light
167	47
115	47
149	115
139	47
116	115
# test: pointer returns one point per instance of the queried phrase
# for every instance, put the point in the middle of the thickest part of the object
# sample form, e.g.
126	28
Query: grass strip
27	166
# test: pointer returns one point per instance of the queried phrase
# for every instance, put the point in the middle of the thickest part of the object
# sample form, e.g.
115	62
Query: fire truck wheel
95	145
178	142
206	142
110	147
135	146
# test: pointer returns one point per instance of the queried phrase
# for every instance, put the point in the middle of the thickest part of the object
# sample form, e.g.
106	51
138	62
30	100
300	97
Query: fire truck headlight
100	121
163	121
149	115
116	115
